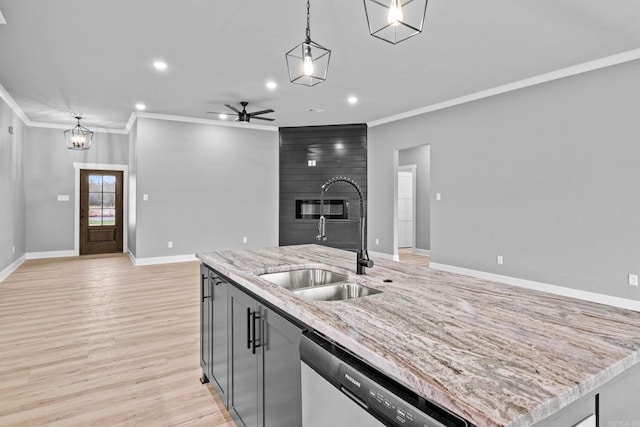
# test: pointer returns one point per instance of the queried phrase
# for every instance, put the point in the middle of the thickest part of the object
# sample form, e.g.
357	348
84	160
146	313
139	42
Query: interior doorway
412	199
101	211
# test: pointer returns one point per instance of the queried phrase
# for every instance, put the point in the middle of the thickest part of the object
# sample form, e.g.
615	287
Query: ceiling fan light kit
78	138
395	20
308	62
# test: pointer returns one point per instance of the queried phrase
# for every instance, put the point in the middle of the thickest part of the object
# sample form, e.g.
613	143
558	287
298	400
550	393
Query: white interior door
406	209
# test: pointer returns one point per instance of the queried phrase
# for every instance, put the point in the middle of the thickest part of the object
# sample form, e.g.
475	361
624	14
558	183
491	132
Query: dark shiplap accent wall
339	150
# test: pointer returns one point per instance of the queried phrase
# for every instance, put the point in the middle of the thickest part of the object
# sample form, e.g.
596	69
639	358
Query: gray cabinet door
280	371
205	323
219	336
243	397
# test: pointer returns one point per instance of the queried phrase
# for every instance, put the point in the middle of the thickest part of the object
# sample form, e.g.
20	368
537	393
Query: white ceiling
93	57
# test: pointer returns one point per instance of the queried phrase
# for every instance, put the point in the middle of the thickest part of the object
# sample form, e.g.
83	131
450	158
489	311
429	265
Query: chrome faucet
362	256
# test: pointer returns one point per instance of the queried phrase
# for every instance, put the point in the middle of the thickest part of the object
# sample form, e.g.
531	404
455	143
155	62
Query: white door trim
125	208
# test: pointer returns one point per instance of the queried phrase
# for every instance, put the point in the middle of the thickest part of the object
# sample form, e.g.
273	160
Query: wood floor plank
95	341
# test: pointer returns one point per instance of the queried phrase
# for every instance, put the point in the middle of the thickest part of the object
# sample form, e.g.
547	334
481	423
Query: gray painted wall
546	176
48	172
208	186
420	156
12	207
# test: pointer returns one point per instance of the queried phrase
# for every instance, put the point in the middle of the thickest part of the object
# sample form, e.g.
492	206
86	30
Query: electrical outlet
244	239
438	196
377	241
500	259
145	197
170	244
633	279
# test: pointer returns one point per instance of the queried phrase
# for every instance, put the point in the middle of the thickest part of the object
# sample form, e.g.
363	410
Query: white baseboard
384	256
161	259
50	254
11	268
544	287
425	252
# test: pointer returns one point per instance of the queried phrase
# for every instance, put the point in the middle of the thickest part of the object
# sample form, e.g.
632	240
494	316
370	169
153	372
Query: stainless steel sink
305	278
336	292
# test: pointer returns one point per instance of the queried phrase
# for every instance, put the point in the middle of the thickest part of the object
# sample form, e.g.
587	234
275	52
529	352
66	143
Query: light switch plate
63	197
633	279
145	197
438	196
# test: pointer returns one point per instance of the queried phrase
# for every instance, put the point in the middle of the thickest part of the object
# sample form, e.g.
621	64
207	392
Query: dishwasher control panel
378	399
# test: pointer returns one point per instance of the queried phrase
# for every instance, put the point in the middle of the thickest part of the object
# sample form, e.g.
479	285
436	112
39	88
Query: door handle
255	317
248	328
202	288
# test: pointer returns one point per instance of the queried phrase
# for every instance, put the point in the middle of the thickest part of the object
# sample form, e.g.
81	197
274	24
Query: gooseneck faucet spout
362	256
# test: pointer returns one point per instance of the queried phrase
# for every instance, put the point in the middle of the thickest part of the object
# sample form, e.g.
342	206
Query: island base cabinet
205	324
219	360
264	357
243	397
281	372
213	331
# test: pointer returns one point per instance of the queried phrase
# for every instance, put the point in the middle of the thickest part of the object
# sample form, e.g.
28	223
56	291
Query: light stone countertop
495	354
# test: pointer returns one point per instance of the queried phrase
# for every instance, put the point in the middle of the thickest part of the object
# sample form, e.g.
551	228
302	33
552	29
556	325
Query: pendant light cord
308	23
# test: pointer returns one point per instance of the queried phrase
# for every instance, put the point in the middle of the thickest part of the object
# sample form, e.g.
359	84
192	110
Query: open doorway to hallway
413	213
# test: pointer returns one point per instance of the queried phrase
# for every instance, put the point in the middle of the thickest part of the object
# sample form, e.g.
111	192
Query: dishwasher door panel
324	405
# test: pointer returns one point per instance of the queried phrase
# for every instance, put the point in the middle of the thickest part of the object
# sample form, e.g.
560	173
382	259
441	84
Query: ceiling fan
243	116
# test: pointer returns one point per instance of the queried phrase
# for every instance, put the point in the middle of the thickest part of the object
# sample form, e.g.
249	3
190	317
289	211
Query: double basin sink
319	285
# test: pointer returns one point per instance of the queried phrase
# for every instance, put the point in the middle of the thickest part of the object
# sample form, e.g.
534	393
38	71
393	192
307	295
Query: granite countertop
495	354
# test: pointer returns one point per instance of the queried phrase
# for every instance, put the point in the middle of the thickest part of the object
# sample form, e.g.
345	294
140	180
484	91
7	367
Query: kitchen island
494	354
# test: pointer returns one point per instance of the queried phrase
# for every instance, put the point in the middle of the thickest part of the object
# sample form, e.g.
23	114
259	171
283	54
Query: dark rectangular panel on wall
339	150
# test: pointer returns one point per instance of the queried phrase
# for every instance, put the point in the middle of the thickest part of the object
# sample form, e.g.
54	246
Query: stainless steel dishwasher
339	390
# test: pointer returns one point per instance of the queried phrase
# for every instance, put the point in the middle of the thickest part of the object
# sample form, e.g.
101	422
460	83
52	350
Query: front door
101	218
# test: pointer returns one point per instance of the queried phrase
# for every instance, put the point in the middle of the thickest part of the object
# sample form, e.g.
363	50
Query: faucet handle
365	262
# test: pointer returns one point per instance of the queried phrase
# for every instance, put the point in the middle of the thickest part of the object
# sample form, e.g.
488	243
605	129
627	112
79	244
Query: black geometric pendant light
308	62
395	20
78	138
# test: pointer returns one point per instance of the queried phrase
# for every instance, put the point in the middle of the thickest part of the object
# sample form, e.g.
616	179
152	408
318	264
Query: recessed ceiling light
272	85
223	116
352	100
160	65
140	106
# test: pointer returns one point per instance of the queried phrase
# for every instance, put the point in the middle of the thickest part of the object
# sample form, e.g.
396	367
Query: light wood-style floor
95	341
408	257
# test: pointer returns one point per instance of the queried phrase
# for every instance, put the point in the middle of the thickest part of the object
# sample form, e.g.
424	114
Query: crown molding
195	120
13	105
585	67
132	119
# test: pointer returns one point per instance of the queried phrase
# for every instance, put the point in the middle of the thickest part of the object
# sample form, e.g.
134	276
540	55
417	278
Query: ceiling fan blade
231	107
262	118
255	113
215	112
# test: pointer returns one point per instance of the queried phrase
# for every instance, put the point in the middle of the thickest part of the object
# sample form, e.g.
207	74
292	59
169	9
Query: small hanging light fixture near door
308	62
78	138
395	20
